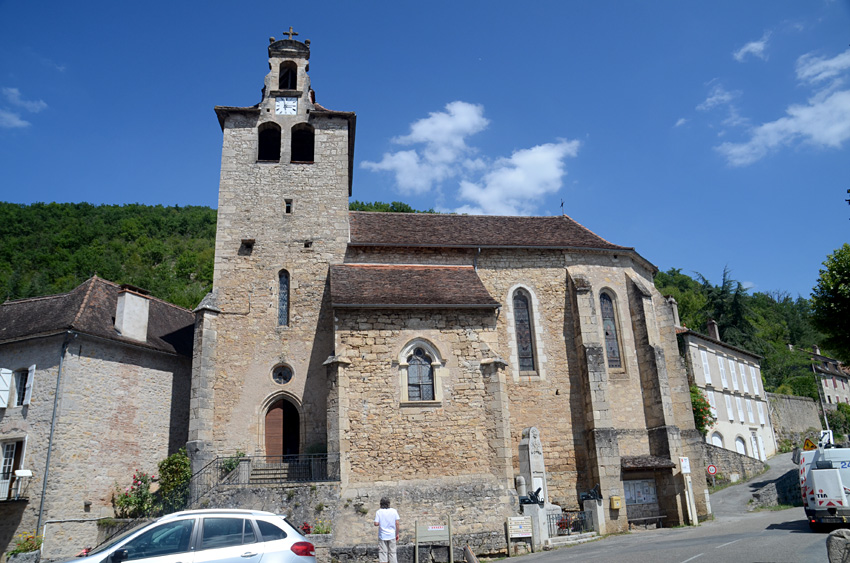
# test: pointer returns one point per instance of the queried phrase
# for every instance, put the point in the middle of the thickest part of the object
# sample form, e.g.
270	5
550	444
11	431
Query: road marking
728	543
692	558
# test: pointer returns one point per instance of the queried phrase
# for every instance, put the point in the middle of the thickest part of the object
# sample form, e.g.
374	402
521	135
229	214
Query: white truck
825	482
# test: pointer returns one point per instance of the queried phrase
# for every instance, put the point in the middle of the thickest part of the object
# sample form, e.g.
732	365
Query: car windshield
117	539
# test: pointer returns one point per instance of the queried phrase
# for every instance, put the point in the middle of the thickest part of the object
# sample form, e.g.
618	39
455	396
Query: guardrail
570	522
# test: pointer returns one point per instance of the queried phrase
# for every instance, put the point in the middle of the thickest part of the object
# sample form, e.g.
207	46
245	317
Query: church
415	349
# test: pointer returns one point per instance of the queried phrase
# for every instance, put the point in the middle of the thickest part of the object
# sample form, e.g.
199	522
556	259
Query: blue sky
705	135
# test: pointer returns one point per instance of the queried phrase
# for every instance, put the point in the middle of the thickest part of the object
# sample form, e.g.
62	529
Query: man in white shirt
387	520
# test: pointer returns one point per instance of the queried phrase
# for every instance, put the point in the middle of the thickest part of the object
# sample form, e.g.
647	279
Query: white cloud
680	122
515	185
439	152
754	48
814	69
10	120
13	96
718	96
823	122
445	153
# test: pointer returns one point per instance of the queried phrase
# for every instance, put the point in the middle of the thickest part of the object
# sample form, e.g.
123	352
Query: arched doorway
283	429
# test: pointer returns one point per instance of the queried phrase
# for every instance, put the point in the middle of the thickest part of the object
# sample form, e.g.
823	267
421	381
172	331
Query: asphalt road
735	535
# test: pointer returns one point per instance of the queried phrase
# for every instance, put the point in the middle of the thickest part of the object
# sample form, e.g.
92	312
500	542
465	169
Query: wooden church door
282	429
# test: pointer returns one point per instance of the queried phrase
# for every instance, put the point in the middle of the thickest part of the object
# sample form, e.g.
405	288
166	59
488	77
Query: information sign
686	465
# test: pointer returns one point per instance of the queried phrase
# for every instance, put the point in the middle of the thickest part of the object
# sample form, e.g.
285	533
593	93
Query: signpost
712	470
519	527
685	465
430	534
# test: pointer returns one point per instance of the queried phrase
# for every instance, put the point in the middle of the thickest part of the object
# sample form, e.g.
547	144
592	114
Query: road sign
808	445
712	470
686	465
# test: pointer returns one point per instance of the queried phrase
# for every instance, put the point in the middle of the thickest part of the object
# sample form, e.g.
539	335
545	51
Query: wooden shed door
282	429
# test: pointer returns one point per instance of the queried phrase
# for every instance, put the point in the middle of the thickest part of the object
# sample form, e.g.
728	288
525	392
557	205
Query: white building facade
730	379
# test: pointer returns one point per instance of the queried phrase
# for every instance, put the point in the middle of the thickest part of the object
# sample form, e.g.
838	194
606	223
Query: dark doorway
283	427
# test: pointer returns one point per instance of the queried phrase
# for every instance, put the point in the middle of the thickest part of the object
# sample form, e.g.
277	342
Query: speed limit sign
712	470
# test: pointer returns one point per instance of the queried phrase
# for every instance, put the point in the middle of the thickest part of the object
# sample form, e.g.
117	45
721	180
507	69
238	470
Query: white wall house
730	378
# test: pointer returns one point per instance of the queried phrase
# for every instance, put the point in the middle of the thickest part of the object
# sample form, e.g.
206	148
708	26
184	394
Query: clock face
286	106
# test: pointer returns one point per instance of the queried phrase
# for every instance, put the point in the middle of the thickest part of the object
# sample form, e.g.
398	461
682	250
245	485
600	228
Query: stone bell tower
265	329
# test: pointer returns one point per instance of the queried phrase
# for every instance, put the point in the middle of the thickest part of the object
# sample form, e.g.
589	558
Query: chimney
131	314
675	306
816	349
712	329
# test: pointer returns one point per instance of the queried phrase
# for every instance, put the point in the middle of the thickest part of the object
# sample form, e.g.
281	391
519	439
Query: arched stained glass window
420	376
609	325
283	298
524	335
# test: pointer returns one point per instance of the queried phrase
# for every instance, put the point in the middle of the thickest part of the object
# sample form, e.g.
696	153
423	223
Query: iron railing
569	523
263	470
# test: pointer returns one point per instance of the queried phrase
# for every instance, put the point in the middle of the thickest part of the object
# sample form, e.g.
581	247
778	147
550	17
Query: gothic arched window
524	332
420	376
303	139
268	148
609	326
283	298
288	79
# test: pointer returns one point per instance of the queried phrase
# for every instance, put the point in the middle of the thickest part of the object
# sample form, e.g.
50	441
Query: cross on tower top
290	33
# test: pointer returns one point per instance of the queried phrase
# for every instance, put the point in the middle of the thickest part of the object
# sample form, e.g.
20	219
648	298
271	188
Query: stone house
415	349
94	385
833	378
730	378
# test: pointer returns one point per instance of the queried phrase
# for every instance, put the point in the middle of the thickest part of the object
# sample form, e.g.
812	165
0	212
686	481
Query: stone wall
785	490
794	418
731	463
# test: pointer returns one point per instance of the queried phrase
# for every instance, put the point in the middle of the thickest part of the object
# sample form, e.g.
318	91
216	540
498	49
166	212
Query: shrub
136	500
25	543
175	472
231	463
703	419
322	527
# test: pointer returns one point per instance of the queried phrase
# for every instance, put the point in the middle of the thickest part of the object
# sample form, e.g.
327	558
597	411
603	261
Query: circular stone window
282	374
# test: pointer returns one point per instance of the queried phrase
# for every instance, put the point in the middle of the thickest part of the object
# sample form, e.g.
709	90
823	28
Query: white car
207	536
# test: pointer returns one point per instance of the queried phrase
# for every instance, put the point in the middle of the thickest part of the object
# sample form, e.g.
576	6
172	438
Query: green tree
394	207
831	303
175	473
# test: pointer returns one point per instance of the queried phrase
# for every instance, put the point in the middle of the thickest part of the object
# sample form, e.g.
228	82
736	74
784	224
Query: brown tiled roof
442	230
393	286
645	462
90	309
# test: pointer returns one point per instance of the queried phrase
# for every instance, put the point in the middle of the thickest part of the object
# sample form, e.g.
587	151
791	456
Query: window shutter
750	412
733	375
744	383
761	412
706	370
740	406
30	379
713	403
729	408
5	385
722	372
755	380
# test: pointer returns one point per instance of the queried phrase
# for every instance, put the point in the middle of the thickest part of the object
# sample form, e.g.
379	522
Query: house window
10	461
721	363
733	375
16	387
303	143
283	298
754	378
729	411
524	333
712	402
268	148
288	79
717	440
420	376
744	384
740	406
740	446
609	325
